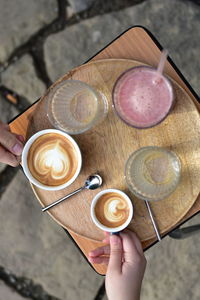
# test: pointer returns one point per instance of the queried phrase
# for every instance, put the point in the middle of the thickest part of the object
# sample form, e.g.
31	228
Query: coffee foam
52	159
112	210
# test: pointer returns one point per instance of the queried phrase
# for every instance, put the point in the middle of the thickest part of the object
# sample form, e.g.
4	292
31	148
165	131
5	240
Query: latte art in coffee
112	210
52	159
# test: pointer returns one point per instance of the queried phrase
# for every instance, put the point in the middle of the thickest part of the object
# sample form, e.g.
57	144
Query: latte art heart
52	159
112	210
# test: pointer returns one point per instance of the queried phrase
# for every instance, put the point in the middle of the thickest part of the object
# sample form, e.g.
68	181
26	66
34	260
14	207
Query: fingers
10	142
135	240
115	261
8	158
109	254
4	126
132	249
106	240
99	260
105	250
7	127
19	137
100	255
11	146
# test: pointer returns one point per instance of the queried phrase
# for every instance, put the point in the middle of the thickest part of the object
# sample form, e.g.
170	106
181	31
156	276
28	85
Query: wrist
135	296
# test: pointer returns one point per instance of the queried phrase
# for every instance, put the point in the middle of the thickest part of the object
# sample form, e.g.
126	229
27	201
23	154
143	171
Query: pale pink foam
142	98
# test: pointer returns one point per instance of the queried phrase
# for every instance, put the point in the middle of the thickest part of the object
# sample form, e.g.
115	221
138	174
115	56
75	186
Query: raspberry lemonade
142	97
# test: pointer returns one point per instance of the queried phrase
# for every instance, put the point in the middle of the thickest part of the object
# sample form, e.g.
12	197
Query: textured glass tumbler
152	173
74	107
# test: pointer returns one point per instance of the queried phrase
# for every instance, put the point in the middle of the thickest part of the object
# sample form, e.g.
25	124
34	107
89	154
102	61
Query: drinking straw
162	61
160	68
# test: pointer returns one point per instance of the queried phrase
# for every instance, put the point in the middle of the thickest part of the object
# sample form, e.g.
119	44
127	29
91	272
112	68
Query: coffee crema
112	210
52	159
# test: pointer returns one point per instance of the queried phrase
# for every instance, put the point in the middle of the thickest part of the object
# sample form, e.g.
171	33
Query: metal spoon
91	183
153	221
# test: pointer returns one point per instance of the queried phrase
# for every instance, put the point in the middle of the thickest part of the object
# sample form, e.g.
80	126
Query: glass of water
74	106
152	173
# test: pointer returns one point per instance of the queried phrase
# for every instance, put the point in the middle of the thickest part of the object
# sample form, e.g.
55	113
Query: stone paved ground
37	259
9	294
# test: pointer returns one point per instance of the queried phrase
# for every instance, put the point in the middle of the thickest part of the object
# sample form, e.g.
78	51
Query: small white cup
25	164
103	227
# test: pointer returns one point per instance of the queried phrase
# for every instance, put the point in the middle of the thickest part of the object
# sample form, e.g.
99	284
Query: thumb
115	261
10	142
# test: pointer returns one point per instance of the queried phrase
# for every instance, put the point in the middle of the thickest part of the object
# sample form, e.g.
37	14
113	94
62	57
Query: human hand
126	265
11	146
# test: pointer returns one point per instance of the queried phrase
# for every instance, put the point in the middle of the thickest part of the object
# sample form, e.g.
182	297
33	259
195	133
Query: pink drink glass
142	98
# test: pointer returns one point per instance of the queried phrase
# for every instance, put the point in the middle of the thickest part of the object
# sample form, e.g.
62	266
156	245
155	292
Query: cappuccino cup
111	210
51	159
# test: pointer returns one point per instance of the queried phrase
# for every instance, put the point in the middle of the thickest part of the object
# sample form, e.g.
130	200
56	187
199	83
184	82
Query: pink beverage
142	97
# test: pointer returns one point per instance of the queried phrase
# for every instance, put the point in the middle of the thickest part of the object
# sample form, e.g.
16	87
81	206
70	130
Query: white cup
25	163
97	222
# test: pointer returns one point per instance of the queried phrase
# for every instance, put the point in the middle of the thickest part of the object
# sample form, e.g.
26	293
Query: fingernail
21	138
114	239
17	149
90	259
91	253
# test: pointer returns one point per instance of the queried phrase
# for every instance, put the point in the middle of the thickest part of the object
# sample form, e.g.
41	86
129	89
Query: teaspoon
91	183
153	221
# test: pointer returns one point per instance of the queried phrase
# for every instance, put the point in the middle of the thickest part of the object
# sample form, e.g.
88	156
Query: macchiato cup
111	210
51	159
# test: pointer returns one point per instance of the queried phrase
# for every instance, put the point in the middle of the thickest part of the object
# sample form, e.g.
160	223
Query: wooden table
136	43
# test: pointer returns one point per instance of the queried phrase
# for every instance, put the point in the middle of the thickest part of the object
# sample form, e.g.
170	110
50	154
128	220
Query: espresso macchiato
52	159
112	210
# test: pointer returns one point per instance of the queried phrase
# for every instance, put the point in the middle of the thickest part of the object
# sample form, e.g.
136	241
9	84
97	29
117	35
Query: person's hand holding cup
112	211
126	265
11	146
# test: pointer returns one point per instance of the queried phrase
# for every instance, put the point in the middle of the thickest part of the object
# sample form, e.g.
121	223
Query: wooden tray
106	148
136	43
